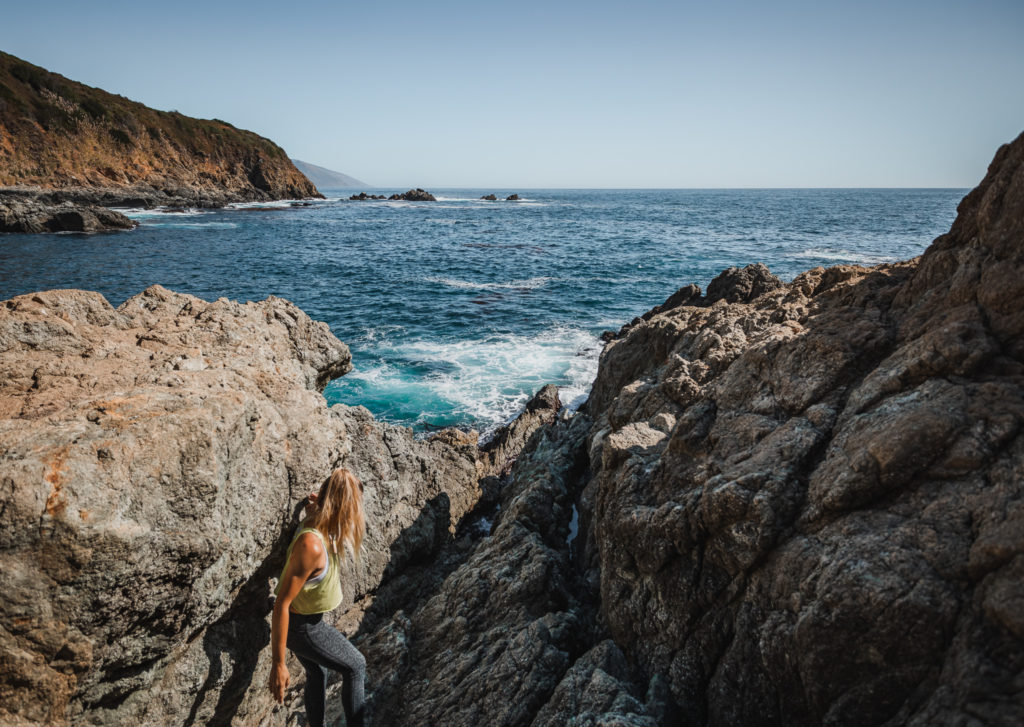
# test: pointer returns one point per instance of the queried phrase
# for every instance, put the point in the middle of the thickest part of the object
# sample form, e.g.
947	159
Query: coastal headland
782	504
67	147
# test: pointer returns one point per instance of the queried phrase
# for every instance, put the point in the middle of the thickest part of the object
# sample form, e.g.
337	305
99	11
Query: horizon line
650	189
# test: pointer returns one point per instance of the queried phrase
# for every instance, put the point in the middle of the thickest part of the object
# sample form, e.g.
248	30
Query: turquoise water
456	311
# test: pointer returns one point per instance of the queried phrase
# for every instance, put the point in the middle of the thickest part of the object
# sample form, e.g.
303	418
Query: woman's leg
325	645
316	692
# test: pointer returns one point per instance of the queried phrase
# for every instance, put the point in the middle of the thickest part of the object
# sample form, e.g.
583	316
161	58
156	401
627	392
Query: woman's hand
279	679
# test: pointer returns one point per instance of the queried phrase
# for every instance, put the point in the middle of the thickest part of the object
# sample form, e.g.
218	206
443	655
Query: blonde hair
338	512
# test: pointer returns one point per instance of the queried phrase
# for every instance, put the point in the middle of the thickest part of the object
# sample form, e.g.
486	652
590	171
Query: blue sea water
457	311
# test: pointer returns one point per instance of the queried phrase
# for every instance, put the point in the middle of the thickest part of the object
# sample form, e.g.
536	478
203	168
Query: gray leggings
320	647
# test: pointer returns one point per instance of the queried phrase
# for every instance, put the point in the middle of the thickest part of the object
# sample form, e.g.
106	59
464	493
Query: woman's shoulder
309	539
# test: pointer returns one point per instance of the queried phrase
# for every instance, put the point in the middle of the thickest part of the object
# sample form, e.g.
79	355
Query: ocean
456	311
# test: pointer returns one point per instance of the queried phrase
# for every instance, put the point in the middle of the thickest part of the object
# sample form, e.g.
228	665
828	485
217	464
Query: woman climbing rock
309	587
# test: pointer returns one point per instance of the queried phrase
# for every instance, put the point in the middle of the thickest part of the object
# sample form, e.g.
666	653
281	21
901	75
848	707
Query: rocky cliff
154	460
783	504
81	144
790	504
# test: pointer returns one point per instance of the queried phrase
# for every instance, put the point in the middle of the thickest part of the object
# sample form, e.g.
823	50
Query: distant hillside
326	178
59	134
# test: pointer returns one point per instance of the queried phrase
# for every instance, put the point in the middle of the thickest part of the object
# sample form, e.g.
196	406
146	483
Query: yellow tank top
324	595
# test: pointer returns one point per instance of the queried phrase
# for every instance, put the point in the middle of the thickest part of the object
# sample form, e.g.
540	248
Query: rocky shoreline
70	150
27	213
783	504
87	209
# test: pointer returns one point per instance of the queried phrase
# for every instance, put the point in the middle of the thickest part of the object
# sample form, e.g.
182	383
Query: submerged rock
490	198
362	196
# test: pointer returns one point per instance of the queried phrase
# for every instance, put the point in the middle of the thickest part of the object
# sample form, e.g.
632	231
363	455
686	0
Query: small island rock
414	195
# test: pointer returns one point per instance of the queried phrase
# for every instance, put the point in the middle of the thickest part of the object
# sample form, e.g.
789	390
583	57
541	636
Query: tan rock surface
154	458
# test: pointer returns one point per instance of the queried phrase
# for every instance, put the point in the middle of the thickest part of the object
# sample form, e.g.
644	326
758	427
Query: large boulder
155	458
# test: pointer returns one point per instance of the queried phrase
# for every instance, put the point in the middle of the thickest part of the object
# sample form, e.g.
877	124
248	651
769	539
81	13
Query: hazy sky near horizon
570	94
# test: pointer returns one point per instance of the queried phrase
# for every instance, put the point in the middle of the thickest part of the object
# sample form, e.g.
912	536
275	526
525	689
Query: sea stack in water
414	195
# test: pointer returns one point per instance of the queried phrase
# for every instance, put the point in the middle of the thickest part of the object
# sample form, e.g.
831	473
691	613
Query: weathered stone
154	459
742	285
29	215
832	533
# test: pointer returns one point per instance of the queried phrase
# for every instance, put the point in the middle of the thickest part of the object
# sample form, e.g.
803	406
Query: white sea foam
197	225
848	256
142	213
527	284
263	205
486	380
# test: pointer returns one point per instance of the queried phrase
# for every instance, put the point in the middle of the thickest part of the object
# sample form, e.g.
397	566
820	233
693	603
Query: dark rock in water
364	196
301	204
512	198
414	195
490	198
175	210
33	216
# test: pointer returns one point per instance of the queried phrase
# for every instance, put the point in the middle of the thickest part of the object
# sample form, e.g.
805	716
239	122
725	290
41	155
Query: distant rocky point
415	195
64	142
364	196
327	178
494	198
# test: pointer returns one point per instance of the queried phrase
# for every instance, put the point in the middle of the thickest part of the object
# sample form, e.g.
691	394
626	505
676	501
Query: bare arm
306	557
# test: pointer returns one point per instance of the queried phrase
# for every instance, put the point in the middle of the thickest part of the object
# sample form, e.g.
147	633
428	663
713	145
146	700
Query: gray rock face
154	460
806	504
794	504
29	215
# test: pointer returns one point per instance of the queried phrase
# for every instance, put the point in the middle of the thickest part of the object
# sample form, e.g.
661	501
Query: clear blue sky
570	94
